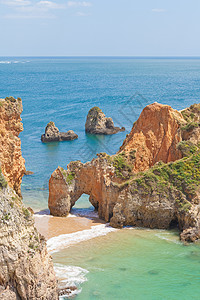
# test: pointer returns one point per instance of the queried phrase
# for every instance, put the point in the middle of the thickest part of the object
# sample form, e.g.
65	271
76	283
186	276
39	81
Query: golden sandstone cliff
12	162
26	269
153	181
154	137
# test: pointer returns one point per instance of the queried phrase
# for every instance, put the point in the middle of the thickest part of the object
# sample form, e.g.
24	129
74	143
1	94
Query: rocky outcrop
154	137
165	191
52	134
28	173
12	162
26	270
97	123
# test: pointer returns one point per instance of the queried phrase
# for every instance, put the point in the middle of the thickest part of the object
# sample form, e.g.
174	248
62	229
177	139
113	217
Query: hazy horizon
102	56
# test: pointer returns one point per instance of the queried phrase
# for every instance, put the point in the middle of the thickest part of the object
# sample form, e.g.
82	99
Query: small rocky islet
97	123
52	134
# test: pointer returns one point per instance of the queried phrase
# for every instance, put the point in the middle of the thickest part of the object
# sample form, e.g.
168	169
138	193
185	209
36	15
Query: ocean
126	264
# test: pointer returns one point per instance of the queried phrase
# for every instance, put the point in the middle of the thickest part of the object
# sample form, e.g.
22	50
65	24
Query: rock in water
68	136
26	269
153	181
52	134
28	173
97	123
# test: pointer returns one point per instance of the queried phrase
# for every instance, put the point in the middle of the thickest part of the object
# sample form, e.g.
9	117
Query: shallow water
136	264
127	264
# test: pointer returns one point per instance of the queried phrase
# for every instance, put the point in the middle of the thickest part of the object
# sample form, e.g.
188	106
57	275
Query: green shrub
50	124
95	108
70	177
187	148
3	182
182	175
190	126
26	213
121	166
132	154
11	99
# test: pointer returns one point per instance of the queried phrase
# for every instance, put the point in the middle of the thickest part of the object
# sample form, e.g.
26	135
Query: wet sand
50	226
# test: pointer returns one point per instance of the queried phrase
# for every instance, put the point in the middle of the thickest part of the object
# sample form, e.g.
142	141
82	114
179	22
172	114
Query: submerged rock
52	134
97	123
28	173
153	181
68	291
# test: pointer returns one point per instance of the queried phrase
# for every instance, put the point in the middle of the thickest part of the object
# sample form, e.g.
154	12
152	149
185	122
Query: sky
100	28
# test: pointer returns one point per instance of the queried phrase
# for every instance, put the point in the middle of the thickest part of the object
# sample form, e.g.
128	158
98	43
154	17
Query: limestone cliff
12	162
153	181
26	270
154	137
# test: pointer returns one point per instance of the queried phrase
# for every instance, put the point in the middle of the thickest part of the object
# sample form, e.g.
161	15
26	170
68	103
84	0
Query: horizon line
104	56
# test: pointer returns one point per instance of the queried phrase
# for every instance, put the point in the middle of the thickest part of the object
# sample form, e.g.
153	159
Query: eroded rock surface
154	137
158	189
12	162
52	134
97	123
26	269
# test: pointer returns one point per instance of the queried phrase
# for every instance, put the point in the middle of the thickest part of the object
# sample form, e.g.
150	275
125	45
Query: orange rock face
154	137
93	179
125	189
11	160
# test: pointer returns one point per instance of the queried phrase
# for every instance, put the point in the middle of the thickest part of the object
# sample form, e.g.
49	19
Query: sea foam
13	62
62	241
70	276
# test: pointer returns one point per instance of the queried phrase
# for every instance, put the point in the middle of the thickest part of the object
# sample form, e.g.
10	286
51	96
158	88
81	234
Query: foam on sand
70	276
84	212
169	237
62	241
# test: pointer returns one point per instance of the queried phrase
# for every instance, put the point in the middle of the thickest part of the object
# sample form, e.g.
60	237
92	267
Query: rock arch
93	179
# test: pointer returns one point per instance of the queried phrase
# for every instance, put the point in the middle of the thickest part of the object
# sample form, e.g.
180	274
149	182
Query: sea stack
52	134
97	123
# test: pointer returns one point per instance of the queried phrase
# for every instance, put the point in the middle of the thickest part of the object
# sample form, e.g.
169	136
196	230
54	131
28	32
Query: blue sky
100	27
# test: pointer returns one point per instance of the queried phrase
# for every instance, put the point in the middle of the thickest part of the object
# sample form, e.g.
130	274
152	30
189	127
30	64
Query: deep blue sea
63	90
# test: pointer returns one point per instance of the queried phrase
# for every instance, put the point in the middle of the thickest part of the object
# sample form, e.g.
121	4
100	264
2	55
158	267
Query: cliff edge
12	162
26	268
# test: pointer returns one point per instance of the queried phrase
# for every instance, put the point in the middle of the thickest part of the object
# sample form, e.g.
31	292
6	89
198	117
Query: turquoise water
126	264
136	264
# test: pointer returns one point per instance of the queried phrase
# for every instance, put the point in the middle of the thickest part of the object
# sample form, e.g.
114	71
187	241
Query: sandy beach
50	226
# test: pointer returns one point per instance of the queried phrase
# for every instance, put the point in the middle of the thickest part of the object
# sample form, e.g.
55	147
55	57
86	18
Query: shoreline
50	226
